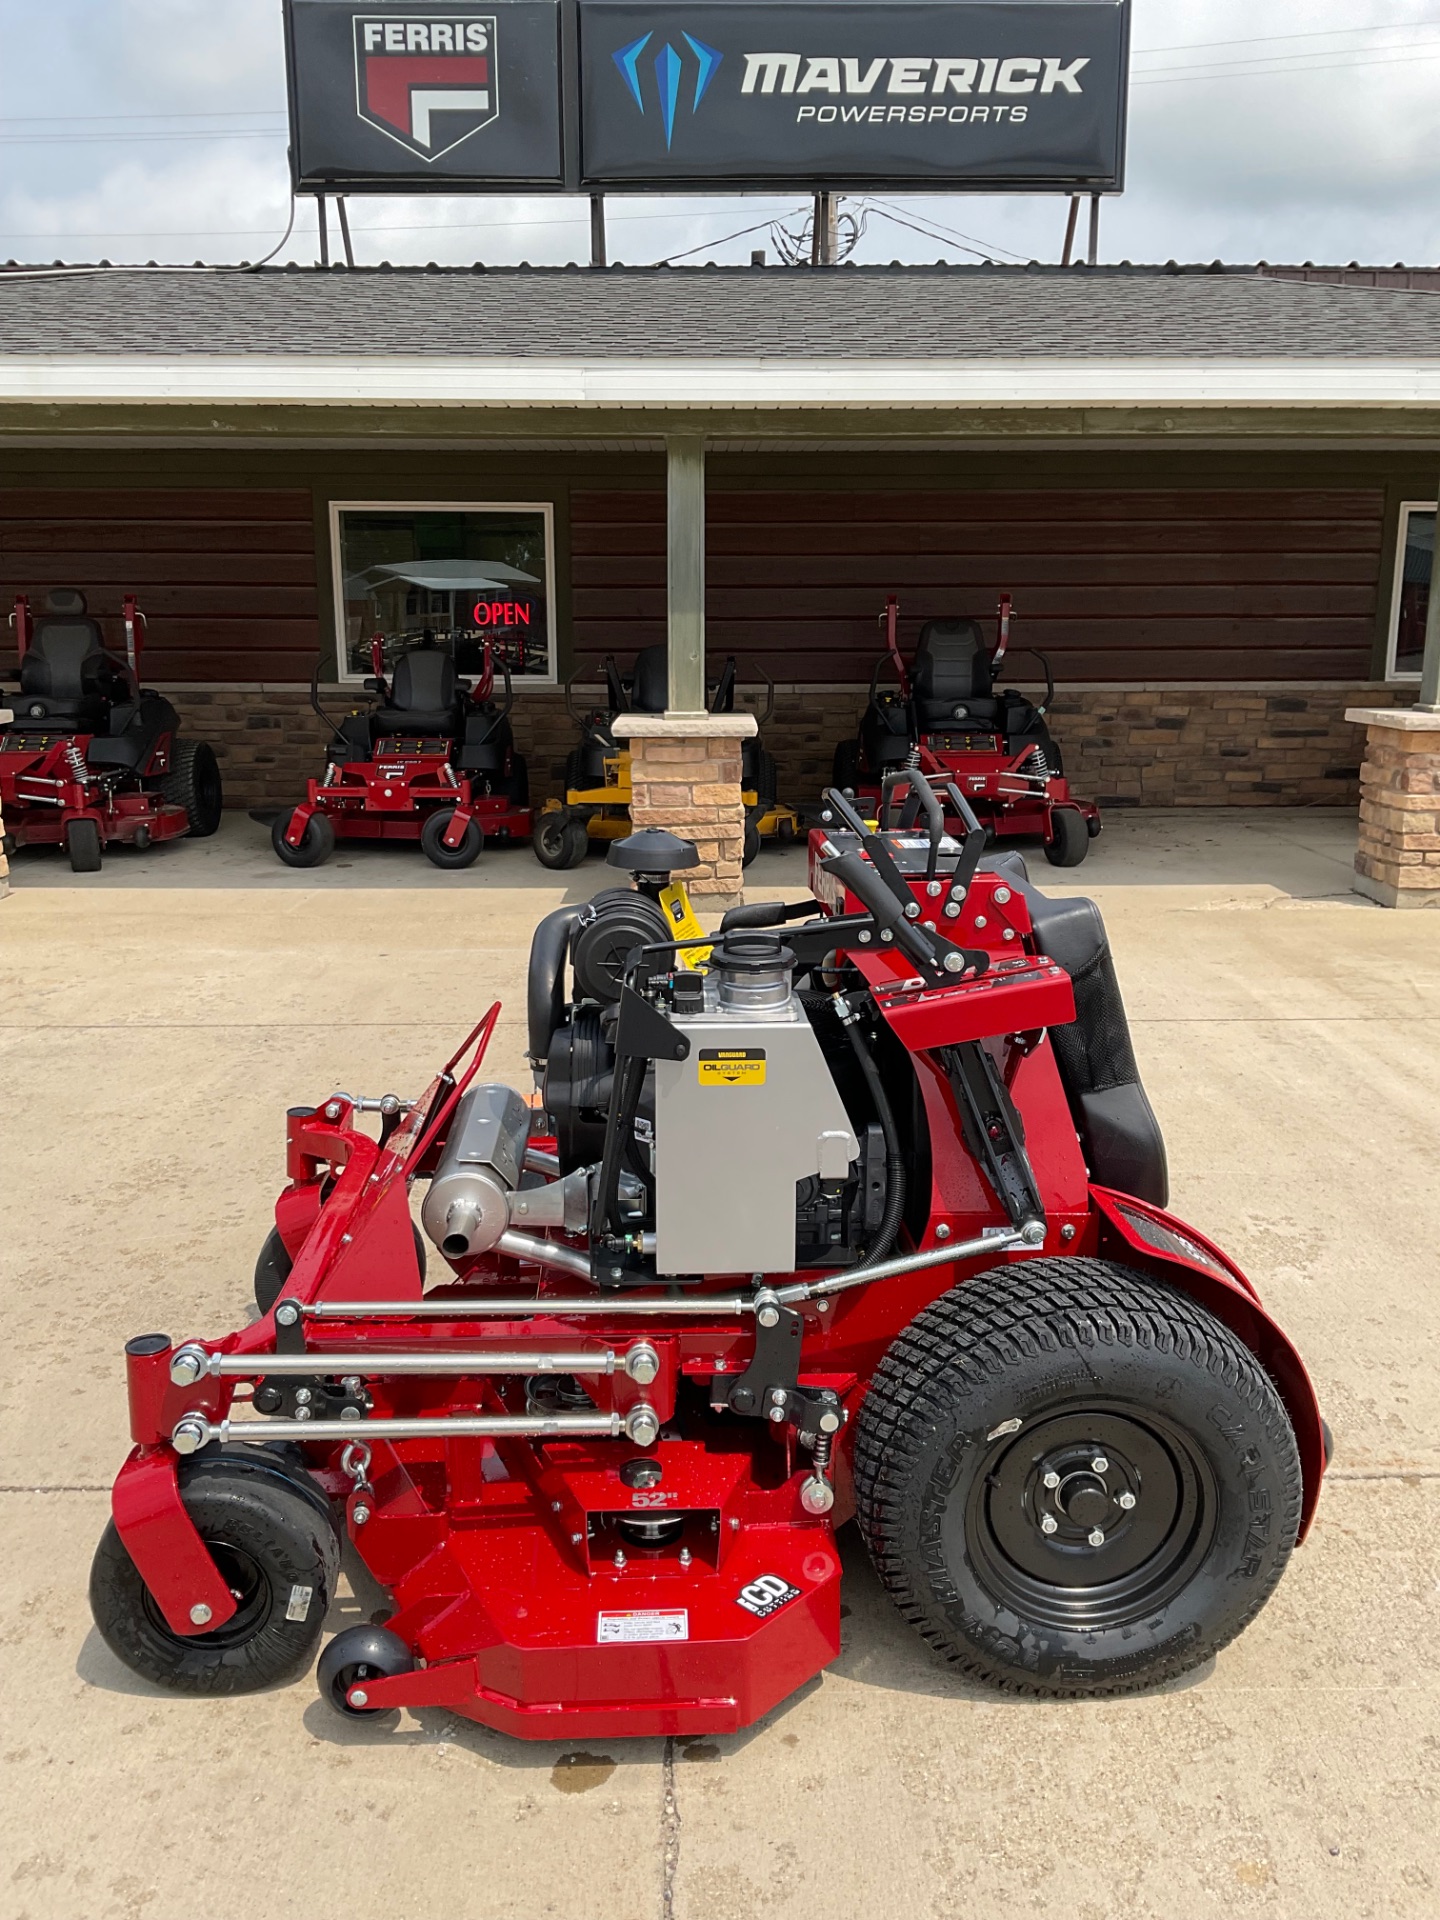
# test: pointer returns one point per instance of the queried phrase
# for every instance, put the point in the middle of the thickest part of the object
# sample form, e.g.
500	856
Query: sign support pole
1094	250
597	230
685	572
1070	223
345	229
324	230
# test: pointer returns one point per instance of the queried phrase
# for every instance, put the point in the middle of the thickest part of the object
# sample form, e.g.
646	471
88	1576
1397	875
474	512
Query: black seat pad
952	669
68	679
650	681
424	696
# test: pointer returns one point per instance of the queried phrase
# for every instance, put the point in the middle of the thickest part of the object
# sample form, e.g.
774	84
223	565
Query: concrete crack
669	1833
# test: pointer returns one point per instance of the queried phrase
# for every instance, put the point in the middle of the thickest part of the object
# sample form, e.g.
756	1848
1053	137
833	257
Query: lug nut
1096	1537
199	1614
1127	1501
1048	1523
1099	1464
1052	1480
359	1697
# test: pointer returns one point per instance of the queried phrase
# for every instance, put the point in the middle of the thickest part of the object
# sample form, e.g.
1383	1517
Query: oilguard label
732	1066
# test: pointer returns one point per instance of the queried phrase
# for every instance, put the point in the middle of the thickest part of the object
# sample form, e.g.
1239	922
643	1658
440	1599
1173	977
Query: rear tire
193	783
1070	840
432	841
1042	1368
560	839
316	844
276	1553
82	843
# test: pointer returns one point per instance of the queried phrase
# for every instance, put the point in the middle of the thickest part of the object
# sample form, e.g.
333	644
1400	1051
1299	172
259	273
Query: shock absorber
818	1495
75	763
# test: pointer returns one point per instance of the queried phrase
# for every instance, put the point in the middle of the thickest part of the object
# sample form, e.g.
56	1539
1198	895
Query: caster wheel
1070	841
432	841
317	843
82	843
355	1656
277	1554
560	840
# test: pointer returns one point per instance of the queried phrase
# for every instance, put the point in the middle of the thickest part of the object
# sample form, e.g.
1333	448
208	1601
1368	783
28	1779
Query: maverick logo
428	82
669	69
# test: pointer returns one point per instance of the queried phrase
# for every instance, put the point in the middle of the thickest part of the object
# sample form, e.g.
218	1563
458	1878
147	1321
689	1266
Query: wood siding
225	578
1126	585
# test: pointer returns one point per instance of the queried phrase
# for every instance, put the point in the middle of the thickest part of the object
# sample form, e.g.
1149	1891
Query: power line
968	240
1188	78
1271	39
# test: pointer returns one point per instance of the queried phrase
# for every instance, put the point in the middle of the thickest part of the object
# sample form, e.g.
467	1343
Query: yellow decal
732	1066
683	925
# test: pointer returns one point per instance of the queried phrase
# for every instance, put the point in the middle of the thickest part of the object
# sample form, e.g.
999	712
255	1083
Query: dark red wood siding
1133	585
226	579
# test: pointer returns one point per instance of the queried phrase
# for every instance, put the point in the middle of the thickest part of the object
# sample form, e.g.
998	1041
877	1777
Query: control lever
930	806
767	913
934	957
881	858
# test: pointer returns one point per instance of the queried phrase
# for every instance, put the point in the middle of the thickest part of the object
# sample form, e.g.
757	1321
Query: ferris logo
429	82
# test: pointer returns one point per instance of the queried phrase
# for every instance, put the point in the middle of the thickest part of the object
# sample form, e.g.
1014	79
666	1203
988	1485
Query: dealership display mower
596	805
862	1213
432	760
90	758
946	716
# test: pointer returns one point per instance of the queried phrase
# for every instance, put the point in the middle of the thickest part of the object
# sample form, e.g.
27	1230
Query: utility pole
825	230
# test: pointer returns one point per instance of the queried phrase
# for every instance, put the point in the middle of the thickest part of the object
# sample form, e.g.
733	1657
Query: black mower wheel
82	843
317	843
1070	841
193	783
845	769
277	1554
273	1267
432	841
560	839
750	846
1073	1480
358	1654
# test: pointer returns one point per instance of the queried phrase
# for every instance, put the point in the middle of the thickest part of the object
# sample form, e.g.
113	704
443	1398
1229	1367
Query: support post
324	230
345	229
824	230
1071	220
1429	701
685	572
597	230
1094	255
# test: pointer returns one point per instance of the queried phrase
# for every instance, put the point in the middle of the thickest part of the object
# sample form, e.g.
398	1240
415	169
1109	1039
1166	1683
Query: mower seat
67	679
650	681
951	675
424	697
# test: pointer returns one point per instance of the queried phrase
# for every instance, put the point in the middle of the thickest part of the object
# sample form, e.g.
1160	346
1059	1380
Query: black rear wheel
1074	1480
275	1551
193	783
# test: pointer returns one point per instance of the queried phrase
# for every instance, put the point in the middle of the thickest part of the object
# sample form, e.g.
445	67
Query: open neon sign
502	613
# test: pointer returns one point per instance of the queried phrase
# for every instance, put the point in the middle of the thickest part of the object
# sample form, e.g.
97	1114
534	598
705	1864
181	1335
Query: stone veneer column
685	777
1398	859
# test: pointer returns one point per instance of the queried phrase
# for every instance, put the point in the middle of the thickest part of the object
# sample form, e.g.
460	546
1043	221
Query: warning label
732	1066
643	1626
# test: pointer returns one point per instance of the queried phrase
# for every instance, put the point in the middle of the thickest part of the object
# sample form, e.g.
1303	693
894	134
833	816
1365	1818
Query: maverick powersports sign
989	94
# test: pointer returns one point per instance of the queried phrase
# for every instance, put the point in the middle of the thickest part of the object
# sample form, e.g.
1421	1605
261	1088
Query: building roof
914	314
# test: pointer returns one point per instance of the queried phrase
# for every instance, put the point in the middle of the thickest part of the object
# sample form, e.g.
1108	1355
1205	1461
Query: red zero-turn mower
434	760
867	1219
91	757
946	717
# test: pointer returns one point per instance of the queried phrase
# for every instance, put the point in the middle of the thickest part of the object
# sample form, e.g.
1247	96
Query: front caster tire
560	839
1073	1480
1070	838
82	843
317	843
354	1656
432	841
277	1555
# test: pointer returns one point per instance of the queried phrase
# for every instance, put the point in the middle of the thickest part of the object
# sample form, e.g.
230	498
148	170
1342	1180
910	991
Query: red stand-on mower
433	760
91	758
869	1218
946	717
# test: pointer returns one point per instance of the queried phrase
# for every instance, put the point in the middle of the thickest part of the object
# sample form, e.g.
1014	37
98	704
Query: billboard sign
401	98
509	95
1010	94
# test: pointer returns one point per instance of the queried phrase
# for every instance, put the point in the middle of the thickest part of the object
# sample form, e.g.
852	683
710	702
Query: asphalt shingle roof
909	313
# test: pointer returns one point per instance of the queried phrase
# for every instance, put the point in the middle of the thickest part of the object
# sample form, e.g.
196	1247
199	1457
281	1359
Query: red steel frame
1011	802
46	783
500	1554
391	795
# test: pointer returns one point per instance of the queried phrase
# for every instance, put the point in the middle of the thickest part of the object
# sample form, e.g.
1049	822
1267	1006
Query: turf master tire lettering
193	783
317	843
1038	1406
278	1555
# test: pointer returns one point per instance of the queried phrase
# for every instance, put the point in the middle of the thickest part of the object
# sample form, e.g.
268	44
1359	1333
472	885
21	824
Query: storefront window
459	575
1412	590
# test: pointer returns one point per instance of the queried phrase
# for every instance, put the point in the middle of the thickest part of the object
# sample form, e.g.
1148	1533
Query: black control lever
767	913
881	857
969	861
921	788
932	956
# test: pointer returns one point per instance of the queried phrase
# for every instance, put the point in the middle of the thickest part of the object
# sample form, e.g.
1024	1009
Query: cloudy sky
1259	129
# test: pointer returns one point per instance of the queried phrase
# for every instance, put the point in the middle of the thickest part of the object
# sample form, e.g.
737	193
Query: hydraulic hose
889	1227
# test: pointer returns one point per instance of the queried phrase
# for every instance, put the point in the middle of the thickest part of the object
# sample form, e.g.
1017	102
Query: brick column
1398	860
685	776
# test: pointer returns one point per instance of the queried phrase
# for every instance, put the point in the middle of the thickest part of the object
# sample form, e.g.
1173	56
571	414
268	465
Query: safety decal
642	1626
766	1595
299	1606
732	1066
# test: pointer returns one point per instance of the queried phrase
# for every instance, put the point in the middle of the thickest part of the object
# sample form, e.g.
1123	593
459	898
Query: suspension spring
75	763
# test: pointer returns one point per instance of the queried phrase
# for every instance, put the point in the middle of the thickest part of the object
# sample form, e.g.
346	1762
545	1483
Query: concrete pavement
154	1024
